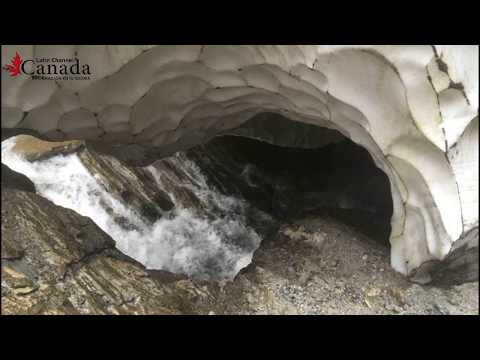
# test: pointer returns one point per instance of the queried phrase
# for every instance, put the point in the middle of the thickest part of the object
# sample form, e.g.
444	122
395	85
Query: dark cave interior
338	180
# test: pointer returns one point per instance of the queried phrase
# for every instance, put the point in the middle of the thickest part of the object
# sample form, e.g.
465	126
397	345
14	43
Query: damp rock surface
166	216
55	261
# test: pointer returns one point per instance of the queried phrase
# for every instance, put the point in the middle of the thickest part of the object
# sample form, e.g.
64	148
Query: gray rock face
13	180
341	188
133	186
55	261
164	216
460	266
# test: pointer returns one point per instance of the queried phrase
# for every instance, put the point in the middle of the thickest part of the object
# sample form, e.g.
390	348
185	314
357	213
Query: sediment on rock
55	261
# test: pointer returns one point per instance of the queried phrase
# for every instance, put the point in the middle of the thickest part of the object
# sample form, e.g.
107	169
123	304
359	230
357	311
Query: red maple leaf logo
14	66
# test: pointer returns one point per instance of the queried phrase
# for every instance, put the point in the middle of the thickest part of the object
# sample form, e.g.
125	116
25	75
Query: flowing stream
213	244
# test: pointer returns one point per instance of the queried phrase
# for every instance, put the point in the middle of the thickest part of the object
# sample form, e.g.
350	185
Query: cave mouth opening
230	193
339	180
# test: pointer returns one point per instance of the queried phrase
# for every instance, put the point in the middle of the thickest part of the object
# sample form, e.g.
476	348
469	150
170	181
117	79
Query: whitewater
184	242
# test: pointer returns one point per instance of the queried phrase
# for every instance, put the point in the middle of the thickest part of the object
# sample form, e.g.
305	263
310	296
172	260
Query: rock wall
55	261
407	105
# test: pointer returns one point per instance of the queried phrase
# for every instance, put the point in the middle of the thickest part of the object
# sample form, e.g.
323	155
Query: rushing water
204	247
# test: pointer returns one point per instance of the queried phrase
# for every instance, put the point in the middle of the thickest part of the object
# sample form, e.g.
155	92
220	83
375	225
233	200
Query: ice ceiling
413	107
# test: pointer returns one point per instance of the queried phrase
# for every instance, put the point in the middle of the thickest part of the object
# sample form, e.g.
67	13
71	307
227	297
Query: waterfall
209	242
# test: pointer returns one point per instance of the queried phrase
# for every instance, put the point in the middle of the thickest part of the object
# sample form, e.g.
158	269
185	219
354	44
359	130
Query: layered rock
407	105
130	185
55	261
166	215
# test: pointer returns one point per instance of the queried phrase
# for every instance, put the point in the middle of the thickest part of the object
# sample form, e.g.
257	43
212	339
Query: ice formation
413	107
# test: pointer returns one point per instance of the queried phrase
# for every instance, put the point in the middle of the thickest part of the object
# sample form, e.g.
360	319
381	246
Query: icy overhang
410	106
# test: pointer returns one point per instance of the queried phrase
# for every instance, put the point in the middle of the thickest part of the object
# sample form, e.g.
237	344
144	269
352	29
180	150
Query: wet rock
133	186
55	261
48	269
458	267
33	149
13	180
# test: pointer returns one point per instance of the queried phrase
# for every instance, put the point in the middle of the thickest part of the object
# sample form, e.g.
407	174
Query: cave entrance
268	172
339	179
